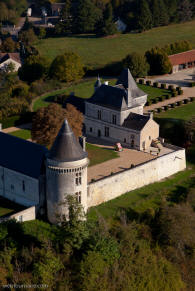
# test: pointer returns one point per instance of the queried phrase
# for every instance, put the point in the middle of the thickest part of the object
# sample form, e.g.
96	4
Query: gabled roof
136	121
21	156
66	147
182	58
14	56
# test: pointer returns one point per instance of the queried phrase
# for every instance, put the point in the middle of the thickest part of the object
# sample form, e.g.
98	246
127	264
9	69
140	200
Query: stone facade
20	188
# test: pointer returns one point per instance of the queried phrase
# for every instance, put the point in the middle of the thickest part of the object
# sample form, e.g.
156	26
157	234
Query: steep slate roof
21	156
136	121
14	56
120	95
66	148
182	58
110	96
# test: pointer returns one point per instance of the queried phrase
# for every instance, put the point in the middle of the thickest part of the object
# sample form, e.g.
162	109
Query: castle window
90	129
12	187
125	140
106	131
78	179
114	119
23	186
132	136
78	196
149	137
99	114
20	218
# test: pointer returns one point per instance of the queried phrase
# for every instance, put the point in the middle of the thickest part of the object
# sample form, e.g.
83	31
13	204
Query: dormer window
99	114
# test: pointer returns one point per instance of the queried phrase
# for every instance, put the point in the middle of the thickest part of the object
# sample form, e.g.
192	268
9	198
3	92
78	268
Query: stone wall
24	215
152	171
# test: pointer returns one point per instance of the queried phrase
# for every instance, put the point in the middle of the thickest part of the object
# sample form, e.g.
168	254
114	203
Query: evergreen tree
67	18
144	17
137	64
185	11
86	16
155	12
163	16
106	25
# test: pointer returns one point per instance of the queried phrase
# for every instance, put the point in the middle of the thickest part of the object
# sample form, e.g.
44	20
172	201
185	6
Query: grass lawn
97	52
86	89
22	133
184	112
8	207
147	197
99	155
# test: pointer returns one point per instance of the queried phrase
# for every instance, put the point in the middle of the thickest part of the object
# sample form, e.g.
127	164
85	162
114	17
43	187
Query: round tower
66	173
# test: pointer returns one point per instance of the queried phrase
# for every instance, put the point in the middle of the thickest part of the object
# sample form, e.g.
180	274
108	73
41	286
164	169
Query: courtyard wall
149	172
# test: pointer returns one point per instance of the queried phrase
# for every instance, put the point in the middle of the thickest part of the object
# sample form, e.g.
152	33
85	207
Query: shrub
163	86
179	103
178	88
159	110
174	94
171	87
192	99
155	84
192	84
186	101
148	103
148	82
173	105
154	101
141	81
166	108
180	92
167	96
137	64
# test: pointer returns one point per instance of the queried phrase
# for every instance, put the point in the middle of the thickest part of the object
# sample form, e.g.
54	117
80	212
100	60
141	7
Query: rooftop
182	58
14	56
136	121
21	156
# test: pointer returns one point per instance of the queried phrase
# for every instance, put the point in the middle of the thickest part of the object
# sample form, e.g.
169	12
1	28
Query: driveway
181	79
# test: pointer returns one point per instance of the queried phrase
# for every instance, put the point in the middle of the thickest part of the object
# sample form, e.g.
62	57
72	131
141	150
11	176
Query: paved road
14	128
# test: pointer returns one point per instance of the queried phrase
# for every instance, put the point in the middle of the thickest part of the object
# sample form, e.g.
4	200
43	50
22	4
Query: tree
185	10
67	68
163	15
8	45
158	61
34	68
144	16
86	17
155	12
106	25
48	120
28	37
137	64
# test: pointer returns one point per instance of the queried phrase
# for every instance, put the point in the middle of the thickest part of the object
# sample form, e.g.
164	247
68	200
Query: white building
10	58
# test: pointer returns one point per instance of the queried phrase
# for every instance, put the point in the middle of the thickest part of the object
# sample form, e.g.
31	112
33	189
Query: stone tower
66	173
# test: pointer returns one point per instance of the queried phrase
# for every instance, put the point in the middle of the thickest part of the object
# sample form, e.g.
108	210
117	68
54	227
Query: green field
22	133
98	52
86	89
99	155
184	112
150	196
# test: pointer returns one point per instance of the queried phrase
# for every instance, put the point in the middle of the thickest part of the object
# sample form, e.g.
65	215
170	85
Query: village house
10	58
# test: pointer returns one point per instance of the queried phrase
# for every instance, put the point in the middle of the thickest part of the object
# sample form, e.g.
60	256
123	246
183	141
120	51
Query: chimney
0	126
106	83
82	141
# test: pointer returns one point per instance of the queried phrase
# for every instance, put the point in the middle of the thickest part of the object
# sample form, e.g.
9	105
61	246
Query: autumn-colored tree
48	120
8	45
67	67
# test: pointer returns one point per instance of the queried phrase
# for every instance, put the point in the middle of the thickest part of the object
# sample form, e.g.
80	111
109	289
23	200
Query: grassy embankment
98	52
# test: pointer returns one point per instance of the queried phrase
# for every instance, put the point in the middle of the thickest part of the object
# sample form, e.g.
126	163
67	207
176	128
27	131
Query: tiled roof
182	58
66	147
21	156
14	56
136	121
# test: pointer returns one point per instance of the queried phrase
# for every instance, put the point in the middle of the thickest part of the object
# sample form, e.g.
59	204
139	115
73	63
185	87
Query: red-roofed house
182	61
7	58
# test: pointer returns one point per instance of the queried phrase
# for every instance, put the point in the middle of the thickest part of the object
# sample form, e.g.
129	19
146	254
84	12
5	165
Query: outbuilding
182	61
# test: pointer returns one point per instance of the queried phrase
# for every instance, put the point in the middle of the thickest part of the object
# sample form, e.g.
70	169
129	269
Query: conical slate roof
66	148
